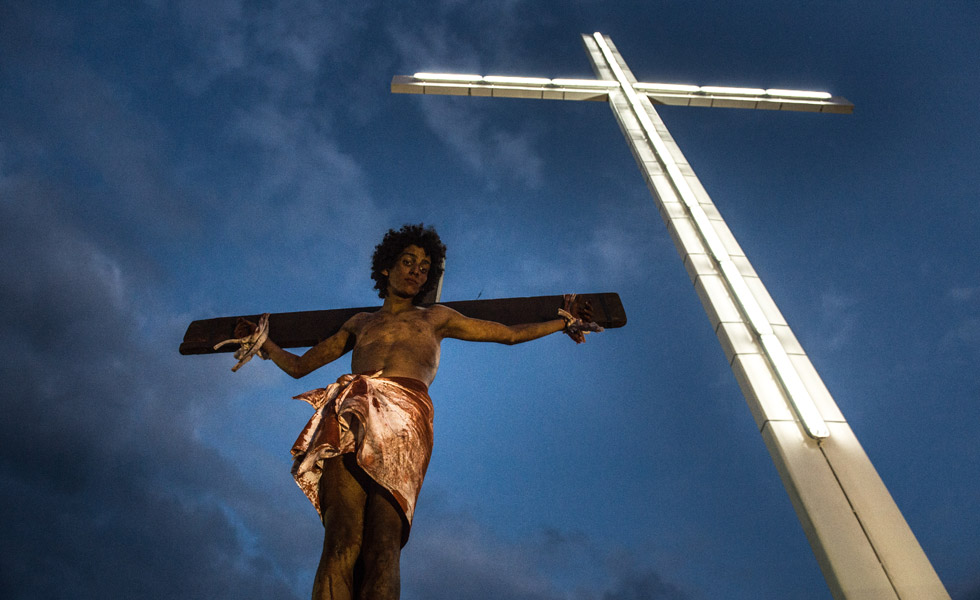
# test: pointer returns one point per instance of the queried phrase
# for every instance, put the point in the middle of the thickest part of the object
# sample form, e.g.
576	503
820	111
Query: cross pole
307	328
860	538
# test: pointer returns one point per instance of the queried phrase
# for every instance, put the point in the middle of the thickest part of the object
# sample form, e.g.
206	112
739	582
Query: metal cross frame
860	538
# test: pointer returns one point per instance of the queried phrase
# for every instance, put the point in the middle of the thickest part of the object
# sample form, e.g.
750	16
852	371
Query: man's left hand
578	321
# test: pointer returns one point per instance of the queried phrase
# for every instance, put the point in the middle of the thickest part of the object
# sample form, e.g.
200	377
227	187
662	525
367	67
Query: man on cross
362	456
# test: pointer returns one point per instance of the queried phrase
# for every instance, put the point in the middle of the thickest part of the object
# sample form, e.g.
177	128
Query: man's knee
341	536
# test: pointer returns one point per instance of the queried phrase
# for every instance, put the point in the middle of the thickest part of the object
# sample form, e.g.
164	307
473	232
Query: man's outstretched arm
458	326
295	366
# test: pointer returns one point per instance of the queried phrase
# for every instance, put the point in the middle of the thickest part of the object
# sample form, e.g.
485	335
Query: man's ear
384	272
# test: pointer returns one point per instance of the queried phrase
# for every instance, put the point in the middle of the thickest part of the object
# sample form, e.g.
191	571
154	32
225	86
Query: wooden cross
308	328
862	543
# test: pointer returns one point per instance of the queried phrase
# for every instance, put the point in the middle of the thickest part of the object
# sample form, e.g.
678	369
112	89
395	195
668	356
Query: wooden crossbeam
308	328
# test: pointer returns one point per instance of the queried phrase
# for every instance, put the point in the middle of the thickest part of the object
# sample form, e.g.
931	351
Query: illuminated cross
861	541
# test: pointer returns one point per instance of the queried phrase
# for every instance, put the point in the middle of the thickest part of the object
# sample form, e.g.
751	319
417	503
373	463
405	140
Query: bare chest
405	344
404	328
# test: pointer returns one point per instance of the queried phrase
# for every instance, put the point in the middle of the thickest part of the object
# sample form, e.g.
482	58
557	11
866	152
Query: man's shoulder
359	319
439	311
436	308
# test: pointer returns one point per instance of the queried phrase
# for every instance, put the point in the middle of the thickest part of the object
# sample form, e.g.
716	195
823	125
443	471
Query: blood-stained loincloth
385	421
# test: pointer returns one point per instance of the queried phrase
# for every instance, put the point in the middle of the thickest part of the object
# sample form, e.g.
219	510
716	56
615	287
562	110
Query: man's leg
381	547
342	502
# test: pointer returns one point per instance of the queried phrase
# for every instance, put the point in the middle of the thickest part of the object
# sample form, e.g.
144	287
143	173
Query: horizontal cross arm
500	86
512	87
762	100
307	328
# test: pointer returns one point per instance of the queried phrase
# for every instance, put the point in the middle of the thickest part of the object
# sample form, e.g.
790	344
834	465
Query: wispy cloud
219	29
100	453
99	458
276	46
964	294
305	188
455	557
488	149
837	314
965	332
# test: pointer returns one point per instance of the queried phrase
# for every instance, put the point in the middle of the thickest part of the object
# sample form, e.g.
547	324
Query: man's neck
395	304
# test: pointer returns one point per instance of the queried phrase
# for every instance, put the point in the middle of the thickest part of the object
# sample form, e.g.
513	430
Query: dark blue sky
167	161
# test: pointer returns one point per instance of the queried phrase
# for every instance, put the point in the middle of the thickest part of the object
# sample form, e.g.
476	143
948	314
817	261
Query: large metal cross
860	538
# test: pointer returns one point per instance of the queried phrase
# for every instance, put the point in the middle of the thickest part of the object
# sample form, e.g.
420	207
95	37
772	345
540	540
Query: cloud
277	47
107	490
639	583
305	203
962	337
485	147
452	556
967	332
456	560
307	174
488	150
964	294
219	29
837	316
252	151
623	246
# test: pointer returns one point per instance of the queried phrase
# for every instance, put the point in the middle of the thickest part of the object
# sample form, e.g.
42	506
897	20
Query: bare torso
404	344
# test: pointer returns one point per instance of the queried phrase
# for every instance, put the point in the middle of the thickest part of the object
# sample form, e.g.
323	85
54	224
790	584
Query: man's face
409	273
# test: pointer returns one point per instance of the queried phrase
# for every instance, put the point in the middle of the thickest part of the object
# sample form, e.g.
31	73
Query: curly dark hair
391	248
